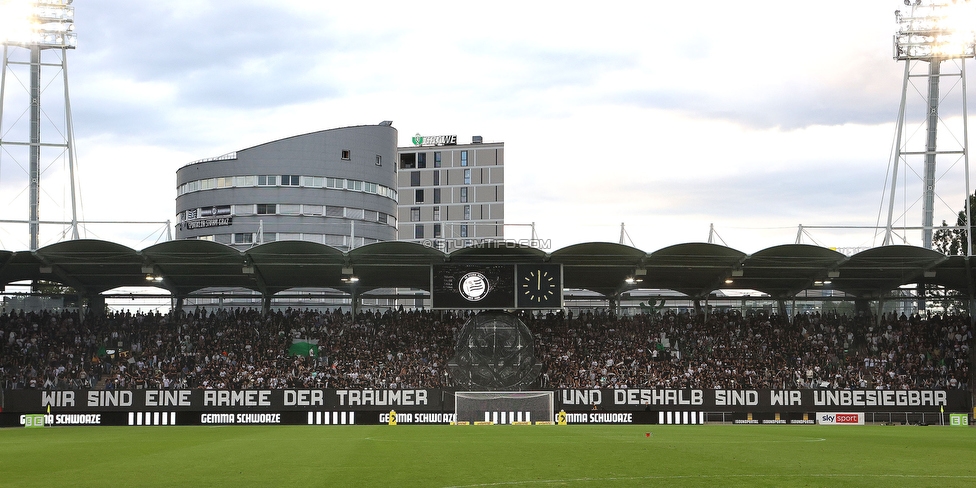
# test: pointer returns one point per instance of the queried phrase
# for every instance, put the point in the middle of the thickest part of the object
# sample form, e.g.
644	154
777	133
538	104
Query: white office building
451	195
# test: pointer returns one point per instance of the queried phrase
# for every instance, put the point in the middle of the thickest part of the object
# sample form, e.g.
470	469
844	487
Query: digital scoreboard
497	286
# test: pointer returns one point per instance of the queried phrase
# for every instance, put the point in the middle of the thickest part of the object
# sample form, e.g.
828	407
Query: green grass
590	456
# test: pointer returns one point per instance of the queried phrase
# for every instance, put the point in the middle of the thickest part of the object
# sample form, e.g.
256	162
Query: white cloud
755	116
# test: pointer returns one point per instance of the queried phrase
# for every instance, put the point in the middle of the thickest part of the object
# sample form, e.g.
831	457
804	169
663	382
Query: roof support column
354	302
920	299
265	304
781	306
96	303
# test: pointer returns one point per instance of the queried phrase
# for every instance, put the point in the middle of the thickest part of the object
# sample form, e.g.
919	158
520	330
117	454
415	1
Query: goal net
501	407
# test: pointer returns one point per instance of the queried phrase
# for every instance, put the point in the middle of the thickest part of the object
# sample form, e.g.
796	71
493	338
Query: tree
951	242
954	242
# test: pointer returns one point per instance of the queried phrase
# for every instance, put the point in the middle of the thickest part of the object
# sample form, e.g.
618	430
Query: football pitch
480	456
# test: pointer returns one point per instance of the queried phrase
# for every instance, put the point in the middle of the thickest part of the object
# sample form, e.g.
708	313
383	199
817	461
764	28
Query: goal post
503	407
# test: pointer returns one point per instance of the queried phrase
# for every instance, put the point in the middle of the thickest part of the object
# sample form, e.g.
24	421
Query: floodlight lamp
347	275
936	31
37	23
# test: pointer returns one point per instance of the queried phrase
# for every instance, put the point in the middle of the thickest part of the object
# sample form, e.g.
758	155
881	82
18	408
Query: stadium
322	358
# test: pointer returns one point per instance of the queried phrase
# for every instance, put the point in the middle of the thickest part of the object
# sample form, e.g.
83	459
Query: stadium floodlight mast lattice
38	26
931	33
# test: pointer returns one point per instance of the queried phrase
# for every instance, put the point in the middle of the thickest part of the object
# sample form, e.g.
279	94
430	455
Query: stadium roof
695	269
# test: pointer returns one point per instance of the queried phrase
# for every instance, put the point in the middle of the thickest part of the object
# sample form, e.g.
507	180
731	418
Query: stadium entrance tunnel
494	352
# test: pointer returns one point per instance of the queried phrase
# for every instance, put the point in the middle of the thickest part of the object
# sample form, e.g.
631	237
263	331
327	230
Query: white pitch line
719	477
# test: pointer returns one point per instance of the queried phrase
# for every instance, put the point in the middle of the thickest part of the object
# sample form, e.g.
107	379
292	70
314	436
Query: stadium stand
237	349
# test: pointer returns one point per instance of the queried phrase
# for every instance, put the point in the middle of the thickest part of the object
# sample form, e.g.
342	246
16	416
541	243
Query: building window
243	209
312	209
335	241
437	195
437	231
418	231
437	213
267	208
437	178
346	154
418	196
291	180
415	178
331	211
415	214
243	238
421	160
467	212
437	159
467	177
464	158
290	209
245	180
379	160
464	195
408	161
464	230
267	180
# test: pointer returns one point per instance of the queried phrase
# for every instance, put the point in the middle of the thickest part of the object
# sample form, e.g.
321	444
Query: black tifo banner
435	406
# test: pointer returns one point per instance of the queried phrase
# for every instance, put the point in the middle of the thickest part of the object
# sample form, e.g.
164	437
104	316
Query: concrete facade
451	195
335	187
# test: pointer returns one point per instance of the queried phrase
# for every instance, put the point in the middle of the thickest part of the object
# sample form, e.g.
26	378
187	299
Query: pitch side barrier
437	406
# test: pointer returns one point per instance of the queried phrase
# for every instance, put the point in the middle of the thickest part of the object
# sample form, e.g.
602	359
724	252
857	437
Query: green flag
304	347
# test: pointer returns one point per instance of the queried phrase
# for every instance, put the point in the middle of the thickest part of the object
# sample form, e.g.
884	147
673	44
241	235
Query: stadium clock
539	286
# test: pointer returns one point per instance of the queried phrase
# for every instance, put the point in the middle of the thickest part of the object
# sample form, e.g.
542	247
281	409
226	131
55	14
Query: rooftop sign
419	140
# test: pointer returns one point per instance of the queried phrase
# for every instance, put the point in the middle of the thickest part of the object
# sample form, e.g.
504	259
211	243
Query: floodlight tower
932	33
38	26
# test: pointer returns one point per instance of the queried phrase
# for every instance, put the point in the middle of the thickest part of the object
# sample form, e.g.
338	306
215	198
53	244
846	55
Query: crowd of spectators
245	349
728	350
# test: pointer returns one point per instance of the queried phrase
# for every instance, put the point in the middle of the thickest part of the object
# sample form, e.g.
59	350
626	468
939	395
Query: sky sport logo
841	418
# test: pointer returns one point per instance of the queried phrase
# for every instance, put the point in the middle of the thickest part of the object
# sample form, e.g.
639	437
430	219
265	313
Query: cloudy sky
669	117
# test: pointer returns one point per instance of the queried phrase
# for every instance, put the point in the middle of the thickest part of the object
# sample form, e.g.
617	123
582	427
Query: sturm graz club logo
417	139
473	286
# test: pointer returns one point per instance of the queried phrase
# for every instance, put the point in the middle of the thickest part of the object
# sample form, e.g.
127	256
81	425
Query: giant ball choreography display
494	352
